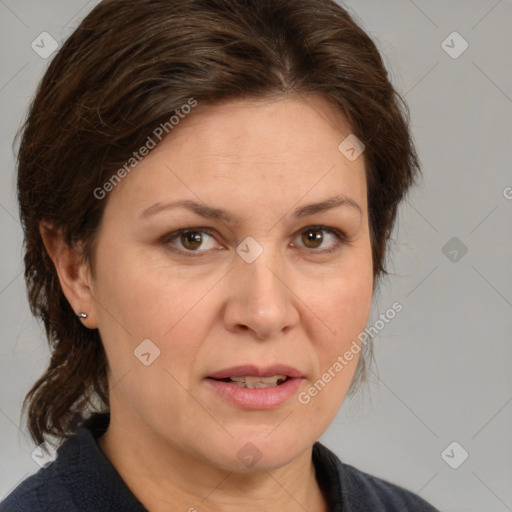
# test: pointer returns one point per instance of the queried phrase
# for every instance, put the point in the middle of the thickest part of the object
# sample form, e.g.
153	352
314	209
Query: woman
207	189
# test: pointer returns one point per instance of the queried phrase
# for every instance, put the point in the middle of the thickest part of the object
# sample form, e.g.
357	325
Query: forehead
249	152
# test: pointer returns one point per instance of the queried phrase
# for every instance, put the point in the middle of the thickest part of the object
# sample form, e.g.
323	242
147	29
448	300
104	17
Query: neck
164	477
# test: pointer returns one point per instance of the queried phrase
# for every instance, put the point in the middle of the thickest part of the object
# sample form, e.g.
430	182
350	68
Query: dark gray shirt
82	479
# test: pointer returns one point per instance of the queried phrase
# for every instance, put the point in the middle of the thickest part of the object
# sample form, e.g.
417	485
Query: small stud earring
82	316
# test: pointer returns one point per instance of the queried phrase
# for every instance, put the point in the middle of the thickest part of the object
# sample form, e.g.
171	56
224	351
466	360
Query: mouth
252	387
251	382
250	374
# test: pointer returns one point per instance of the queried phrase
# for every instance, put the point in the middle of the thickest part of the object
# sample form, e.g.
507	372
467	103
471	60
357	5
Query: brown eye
321	239
312	238
191	240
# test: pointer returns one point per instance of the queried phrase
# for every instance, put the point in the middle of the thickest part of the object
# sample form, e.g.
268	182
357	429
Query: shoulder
361	492
41	492
389	496
81	479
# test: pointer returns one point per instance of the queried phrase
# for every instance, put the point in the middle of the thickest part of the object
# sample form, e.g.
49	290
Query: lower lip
262	398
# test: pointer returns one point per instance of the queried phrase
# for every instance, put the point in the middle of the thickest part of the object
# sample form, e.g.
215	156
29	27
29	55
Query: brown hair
125	70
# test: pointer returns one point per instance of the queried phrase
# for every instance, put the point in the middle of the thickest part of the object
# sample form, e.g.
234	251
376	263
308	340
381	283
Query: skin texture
174	440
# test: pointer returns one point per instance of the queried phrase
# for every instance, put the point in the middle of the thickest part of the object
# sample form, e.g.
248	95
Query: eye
313	238
191	240
198	241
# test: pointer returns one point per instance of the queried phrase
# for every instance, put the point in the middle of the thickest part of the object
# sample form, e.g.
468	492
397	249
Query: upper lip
257	371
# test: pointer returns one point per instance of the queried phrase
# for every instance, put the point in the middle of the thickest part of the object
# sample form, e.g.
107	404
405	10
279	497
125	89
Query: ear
73	272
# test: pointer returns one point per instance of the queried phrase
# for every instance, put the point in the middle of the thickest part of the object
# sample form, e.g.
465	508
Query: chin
247	453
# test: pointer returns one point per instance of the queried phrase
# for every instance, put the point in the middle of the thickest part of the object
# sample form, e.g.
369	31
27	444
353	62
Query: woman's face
276	270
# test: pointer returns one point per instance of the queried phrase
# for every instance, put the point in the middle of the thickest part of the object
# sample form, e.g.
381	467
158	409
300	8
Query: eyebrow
210	212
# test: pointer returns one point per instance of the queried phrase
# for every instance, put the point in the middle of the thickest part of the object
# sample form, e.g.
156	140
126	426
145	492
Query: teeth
258	382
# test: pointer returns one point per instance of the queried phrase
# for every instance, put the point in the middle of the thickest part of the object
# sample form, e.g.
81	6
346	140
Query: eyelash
341	239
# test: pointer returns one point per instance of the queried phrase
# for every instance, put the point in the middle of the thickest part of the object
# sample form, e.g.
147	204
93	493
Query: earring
82	316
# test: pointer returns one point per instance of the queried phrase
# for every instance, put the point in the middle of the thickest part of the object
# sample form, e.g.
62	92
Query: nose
260	299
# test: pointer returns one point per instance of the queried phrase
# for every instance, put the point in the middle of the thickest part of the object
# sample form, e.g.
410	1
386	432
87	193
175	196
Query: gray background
444	363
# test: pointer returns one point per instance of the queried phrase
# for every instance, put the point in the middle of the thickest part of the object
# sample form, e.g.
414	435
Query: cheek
346	314
342	303
353	299
342	297
144	297
142	292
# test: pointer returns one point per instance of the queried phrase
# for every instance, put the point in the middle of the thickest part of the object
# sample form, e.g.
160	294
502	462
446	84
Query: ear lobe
73	272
